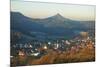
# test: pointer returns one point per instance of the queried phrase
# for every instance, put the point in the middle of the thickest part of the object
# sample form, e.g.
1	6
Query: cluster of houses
38	48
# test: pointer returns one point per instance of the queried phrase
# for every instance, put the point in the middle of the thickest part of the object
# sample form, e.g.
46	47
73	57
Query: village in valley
50	33
37	49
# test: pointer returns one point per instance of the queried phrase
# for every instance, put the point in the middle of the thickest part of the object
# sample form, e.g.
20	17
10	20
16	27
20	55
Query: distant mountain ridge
51	27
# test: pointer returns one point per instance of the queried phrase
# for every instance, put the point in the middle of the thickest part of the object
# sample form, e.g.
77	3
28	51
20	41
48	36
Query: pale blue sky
42	10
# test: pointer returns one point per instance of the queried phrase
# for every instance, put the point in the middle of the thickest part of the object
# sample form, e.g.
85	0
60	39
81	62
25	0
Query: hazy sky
42	10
